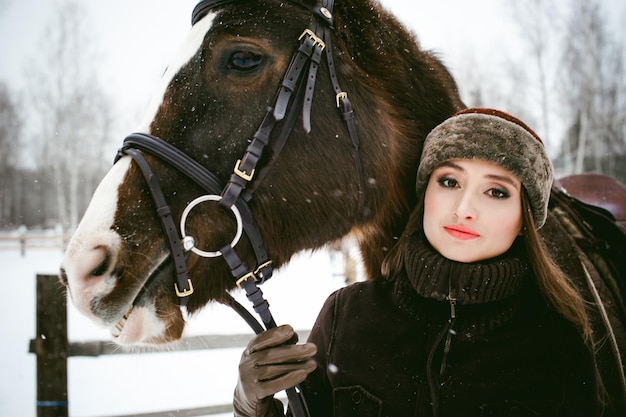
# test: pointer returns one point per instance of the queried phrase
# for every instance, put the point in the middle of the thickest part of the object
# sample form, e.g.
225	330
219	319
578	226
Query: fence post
51	347
22	229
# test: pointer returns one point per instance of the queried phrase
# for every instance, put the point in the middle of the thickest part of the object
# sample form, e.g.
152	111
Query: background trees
71	115
68	123
593	94
570	84
10	134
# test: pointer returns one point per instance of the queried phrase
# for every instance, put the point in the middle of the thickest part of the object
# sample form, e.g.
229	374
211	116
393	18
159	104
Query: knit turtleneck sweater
485	290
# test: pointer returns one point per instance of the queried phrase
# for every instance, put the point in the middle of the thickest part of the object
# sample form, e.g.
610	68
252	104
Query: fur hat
494	136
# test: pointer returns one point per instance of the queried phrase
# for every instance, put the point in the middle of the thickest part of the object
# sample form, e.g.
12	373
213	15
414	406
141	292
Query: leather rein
294	97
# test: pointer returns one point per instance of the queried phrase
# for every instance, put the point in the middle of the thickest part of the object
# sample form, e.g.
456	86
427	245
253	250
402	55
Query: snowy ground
134	383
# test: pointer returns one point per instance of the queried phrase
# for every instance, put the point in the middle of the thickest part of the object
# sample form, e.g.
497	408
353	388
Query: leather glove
272	362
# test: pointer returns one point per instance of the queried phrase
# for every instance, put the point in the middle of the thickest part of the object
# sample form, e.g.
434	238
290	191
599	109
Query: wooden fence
23	240
53	349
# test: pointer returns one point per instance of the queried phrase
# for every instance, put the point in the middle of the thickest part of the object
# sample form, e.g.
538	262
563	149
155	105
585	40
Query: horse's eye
244	61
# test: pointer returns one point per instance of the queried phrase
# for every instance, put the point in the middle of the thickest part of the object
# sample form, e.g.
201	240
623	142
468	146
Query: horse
279	126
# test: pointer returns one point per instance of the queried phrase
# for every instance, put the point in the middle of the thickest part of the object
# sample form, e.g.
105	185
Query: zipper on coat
447	331
451	332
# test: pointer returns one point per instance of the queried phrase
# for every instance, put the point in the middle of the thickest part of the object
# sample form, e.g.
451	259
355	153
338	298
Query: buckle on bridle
316	39
243	174
264	265
341	96
245	278
184	293
254	275
258	272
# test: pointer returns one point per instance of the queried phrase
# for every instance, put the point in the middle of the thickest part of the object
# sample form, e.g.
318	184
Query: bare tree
578	73
537	21
593	92
71	112
10	134
497	78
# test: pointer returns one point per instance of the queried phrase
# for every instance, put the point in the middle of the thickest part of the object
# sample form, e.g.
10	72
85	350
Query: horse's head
227	82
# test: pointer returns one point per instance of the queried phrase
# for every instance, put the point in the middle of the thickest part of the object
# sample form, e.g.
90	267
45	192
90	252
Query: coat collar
487	293
436	277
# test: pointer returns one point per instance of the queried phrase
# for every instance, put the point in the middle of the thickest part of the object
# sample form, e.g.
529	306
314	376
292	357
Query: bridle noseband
294	97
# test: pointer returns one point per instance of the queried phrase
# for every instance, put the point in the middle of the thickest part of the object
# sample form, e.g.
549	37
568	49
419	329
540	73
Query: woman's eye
447	182
498	193
244	61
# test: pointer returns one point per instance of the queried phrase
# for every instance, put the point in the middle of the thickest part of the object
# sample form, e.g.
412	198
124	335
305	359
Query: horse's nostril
103	267
63	277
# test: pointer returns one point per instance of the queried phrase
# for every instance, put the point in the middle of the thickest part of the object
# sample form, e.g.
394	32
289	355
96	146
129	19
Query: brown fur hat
494	136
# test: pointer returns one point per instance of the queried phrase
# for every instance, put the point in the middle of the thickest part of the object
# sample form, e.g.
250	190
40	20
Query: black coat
400	349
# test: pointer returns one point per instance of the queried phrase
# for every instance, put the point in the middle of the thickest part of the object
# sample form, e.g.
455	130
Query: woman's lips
461	232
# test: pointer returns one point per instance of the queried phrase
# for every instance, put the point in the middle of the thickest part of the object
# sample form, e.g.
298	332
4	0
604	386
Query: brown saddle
598	190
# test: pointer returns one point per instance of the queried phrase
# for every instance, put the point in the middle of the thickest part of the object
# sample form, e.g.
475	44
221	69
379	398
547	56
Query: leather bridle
294	96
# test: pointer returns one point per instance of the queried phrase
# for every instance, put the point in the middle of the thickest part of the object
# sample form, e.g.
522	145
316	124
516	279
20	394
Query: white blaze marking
185	53
92	238
103	204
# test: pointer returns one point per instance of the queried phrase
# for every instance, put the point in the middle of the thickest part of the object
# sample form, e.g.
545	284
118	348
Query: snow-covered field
136	383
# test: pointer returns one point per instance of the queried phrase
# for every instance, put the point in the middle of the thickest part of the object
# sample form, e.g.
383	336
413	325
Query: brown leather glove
272	362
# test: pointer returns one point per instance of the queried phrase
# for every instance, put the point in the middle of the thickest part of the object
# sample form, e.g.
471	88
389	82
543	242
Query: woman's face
472	210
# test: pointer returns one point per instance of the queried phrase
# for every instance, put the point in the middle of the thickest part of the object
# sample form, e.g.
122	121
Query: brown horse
295	122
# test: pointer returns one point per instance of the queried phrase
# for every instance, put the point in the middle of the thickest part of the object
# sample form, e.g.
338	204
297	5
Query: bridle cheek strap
182	286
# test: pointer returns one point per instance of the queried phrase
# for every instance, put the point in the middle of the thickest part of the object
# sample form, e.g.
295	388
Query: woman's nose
465	207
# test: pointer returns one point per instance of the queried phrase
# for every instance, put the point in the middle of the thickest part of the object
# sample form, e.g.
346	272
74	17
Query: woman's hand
272	362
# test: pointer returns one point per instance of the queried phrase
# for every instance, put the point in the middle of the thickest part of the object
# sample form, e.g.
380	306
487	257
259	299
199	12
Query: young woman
472	318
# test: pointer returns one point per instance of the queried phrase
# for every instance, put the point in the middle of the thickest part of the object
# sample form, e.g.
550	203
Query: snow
141	383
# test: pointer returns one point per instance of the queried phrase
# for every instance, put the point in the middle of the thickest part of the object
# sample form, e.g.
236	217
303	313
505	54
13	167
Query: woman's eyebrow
451	164
503	178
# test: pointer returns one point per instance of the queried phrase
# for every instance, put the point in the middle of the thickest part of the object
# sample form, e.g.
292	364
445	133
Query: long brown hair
553	283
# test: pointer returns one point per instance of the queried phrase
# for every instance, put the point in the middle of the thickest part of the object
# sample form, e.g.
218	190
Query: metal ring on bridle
189	242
